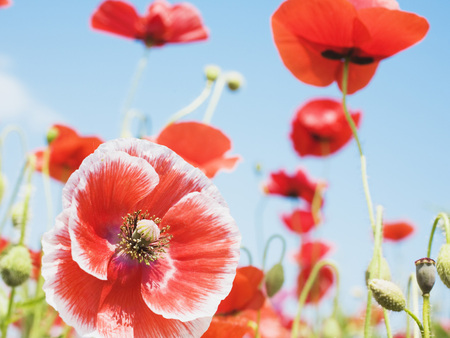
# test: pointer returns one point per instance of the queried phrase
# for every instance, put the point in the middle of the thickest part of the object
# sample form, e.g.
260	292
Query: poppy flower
320	128
145	245
397	231
163	23
314	37
299	221
201	145
324	281
5	3
312	251
67	151
298	185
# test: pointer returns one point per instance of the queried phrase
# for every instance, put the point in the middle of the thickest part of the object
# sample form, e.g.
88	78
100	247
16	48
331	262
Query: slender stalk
415	301
249	255
30	166
419	324
193	105
217	92
8	130
6	320
367	321
408	304
426	315
259	224
266	249
129	116
444	217
387	323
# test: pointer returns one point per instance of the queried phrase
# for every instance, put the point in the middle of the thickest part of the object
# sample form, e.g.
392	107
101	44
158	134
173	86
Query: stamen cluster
138	248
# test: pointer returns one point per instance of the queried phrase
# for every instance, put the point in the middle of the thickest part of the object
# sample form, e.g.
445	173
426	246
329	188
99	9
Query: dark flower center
320	138
142	239
359	60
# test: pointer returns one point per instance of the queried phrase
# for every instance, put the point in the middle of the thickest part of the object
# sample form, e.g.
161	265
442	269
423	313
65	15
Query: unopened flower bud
443	264
212	72
17	214
331	328
385	272
234	80
52	134
387	294
15	266
146	231
425	274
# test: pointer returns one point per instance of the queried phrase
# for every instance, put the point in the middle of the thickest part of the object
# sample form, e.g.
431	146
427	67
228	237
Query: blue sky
55	68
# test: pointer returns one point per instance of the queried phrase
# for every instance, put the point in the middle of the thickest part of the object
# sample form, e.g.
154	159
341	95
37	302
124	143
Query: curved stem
249	255
23	140
193	105
419	324
218	89
444	217
283	251
129	116
305	291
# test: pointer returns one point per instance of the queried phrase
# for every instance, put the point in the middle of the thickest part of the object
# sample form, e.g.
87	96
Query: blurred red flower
199	144
314	37
300	221
324	281
67	151
163	23
145	245
320	128
297	185
312	251
397	231
5	3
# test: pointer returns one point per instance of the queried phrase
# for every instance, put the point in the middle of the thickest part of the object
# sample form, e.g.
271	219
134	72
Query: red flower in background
320	128
200	145
397	231
163	23
323	282
145	245
297	185
314	37
5	3
300	221
67	151
312	251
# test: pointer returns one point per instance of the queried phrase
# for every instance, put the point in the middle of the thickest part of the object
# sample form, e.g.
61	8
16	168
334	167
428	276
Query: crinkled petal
200	263
186	24
109	186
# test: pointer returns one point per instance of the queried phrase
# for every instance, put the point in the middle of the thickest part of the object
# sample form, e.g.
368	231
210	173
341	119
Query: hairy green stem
266	249
426	315
217	92
446	221
413	316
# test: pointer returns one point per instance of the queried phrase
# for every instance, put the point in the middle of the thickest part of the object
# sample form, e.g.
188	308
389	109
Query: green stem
367	321
23	140
249	255
426	315
259	224
387	323
419	324
26	202
129	116
444	217
217	92
6	320
305	291
134	85
408	304
266	249
415	301
193	105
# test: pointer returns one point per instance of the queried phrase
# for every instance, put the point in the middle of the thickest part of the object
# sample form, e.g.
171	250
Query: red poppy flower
297	185
145	245
200	145
312	251
229	326
314	37
300	221
320	128
322	284
161	24
5	3
67	151
397	231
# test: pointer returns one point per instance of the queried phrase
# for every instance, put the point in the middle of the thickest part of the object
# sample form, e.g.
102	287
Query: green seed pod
212	72
234	80
425	274
443	264
387	294
331	328
385	272
15	266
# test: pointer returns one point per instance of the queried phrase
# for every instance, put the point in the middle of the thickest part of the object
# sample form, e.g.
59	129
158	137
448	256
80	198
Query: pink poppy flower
397	231
298	185
320	128
163	23
199	144
145	245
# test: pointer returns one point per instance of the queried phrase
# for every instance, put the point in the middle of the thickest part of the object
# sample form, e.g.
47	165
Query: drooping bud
425	274
147	231
387	294
443	264
212	72
15	266
331	328
52	134
274	279
234	80
385	272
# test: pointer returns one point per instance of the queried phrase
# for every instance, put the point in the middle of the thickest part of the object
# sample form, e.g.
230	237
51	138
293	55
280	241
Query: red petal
397	231
111	184
116	17
228	326
205	243
359	76
322	284
391	31
312	251
299	221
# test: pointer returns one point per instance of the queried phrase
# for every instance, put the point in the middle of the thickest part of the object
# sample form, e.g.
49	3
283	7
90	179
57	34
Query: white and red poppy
109	273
